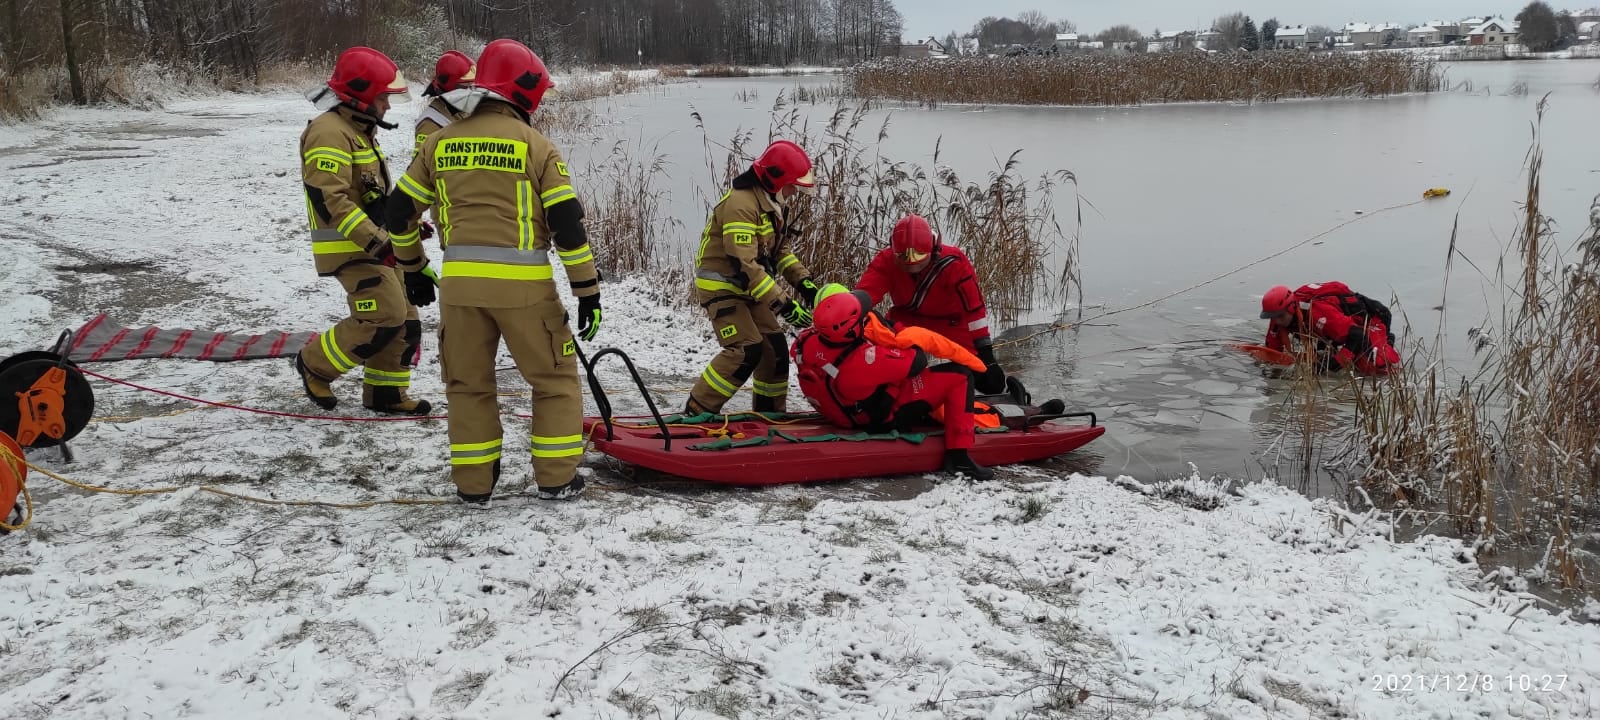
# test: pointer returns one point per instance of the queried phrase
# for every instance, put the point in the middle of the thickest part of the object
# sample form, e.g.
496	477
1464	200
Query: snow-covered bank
1037	595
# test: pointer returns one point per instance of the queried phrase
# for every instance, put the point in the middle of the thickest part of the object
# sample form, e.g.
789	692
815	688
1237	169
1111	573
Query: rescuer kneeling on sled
1348	327
854	382
934	286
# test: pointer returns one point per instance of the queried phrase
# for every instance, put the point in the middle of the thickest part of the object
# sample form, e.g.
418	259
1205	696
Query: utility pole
639	36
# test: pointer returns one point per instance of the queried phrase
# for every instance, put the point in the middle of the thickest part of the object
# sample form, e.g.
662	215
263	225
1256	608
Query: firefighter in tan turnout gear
454	71
503	196
346	184
745	244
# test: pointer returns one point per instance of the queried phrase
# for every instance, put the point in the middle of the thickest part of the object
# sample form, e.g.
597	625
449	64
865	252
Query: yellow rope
203	488
1063	326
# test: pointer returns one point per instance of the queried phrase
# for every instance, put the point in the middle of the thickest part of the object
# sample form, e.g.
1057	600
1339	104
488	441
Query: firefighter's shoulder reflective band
416	190
364	157
467	153
557	194
497	263
739	226
576	257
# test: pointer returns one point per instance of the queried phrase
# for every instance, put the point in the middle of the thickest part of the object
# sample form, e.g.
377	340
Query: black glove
809	290
993	379
794	313
588	316
419	289
425	229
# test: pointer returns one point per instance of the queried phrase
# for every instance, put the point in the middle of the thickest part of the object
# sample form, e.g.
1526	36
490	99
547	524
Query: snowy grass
1122	80
1035	596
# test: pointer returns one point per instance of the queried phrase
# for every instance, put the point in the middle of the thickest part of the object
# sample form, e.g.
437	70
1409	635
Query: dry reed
1100	79
1513	450
1006	224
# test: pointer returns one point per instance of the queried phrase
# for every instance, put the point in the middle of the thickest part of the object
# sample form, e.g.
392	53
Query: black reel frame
57	354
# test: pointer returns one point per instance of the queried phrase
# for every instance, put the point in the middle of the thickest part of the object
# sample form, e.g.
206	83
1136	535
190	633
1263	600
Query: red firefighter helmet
510	70
1276	301
362	74
913	242
784	164
454	70
840	317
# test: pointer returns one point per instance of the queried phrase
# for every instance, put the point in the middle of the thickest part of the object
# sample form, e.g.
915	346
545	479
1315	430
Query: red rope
257	411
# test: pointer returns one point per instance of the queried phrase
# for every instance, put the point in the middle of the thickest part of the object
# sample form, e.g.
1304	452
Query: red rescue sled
797	448
752	449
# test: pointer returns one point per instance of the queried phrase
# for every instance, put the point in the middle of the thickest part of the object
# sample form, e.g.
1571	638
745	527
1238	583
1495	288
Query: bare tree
1230	31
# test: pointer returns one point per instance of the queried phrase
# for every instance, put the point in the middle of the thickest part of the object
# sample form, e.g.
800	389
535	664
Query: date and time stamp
1467	683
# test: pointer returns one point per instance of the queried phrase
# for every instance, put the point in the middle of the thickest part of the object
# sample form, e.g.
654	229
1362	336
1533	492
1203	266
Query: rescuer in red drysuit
854	382
1337	317
934	286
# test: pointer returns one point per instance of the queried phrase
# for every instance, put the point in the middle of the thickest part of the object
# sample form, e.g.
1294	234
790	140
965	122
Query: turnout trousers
542	347
753	345
382	335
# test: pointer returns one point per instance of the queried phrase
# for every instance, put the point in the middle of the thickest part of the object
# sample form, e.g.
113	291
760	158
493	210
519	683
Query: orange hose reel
13	471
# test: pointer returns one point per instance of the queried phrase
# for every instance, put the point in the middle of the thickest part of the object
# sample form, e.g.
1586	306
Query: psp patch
743	238
327	165
728	332
366	306
568	348
561	168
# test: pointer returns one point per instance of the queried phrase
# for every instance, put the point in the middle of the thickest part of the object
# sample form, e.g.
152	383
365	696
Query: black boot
1052	407
568	491
477	501
1018	393
958	461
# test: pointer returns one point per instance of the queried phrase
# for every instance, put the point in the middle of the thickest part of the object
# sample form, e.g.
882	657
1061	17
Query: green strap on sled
726	443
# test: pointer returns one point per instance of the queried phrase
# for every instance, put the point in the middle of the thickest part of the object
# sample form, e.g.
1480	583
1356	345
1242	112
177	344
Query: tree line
88	40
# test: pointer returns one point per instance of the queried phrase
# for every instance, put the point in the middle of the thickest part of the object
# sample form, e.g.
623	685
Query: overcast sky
937	17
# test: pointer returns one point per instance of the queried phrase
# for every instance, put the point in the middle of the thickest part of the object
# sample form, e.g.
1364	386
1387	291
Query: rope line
1056	327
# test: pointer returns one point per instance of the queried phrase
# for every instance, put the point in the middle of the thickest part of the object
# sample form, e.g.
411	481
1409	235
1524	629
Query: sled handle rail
604	403
1094	421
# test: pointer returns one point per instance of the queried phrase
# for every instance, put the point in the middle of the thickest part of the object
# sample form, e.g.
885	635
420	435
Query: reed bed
1138	79
1006	223
627	220
1510	451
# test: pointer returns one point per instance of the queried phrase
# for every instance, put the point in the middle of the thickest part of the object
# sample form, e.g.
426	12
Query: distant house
1066	41
1092	45
1587	30
1208	40
924	48
1292	38
1494	32
968	46
1174	40
1362	35
1424	35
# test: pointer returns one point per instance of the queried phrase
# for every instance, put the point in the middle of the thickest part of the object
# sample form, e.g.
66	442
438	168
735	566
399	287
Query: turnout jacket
435	115
502	196
744	245
346	184
944	297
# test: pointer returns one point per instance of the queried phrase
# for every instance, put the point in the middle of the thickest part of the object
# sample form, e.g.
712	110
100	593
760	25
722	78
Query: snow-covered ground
1033	596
